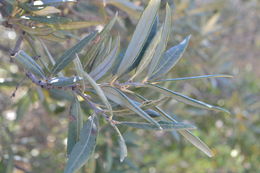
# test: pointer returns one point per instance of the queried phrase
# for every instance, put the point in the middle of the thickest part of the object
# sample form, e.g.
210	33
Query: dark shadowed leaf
185	99
69	55
164	124
75	125
140	36
170	59
83	149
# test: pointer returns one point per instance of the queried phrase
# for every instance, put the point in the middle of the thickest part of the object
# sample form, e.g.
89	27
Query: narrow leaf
193	77
69	55
29	64
122	145
64	81
140	36
185	133
150	51
50	2
164	124
120	98
75	125
99	91
83	149
164	39
197	142
185	99
47	11
74	25
170	58
107	63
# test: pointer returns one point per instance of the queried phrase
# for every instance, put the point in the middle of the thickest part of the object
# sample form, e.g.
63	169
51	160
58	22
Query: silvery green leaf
170	59
83	149
127	6
29	64
69	55
193	77
107	63
120	98
147	57
185	99
64	81
164	124
185	133
140	36
99	91
75	125
164	39
51	2
47	19
122	145
147	43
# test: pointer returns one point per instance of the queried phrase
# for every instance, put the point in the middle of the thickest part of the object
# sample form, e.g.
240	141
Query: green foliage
119	84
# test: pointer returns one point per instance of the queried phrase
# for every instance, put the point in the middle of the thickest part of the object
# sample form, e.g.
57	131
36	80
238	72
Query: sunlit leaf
127	6
64	81
47	11
193	77
140	36
120	98
47	19
122	144
170	58
69	55
74	25
83	149
148	54
164	39
185	99
107	63
164	124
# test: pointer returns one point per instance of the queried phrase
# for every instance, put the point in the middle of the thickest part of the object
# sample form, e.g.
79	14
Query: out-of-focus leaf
152	113
23	106
107	63
148	54
194	77
211	24
164	124
185	99
120	98
69	55
51	2
164	39
207	7
52	37
129	7
83	149
74	25
47	11
99	91
29	64
41	31
61	94
47	19
122	145
75	125
140	36
170	58
64	81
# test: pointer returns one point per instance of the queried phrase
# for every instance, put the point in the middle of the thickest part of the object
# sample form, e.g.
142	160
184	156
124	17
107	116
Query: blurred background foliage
225	40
